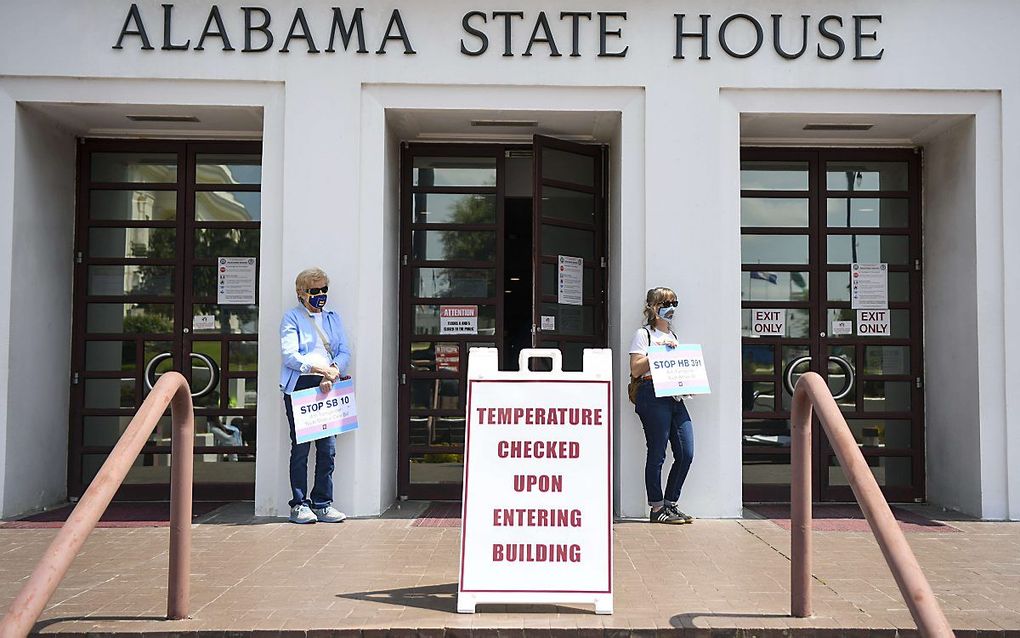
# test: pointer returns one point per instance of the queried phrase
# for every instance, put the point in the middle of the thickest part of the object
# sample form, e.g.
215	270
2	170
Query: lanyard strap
322	335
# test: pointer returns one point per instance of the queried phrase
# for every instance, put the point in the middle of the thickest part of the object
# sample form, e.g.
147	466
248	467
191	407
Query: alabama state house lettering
549	33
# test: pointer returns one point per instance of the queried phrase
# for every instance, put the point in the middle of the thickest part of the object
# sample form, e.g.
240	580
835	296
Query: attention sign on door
537	513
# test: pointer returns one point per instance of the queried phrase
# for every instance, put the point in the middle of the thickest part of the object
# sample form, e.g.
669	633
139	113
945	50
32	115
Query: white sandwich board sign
536	525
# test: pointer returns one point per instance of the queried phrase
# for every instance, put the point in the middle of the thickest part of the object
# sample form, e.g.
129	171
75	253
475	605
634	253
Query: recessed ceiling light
162	118
838	127
515	279
512	123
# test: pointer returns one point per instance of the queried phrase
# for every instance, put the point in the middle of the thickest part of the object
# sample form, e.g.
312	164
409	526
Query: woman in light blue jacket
315	353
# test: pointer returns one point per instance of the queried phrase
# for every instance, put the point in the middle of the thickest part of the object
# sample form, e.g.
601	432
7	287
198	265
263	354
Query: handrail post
813	392
172	389
800	507
182	462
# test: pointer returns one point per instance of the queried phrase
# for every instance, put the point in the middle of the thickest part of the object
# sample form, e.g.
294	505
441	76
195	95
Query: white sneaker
329	514
302	514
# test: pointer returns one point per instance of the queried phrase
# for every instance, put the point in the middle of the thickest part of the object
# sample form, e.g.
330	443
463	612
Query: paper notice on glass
203	322
235	281
679	370
873	323
842	328
768	323
570	280
869	286
458	320
548	323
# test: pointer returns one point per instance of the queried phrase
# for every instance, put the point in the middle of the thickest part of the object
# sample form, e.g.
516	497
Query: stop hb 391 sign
537	506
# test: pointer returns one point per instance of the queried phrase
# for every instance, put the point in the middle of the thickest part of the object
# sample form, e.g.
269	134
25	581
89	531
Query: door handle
214	371
788	372
850	376
839	361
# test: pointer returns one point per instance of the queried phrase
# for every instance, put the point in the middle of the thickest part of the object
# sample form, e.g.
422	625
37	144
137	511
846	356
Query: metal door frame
184	225
817	305
500	151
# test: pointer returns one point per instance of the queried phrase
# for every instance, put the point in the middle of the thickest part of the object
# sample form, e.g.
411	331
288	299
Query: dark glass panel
774	176
127	243
774	249
130	280
454	171
435	394
758	359
889	471
436	468
151	168
757	285
766	433
558	240
868	249
564	166
434	245
133	205
228	168
774	212
866	176
454	282
887	396
226	242
109	356
228	206
129	318
443	208
570	205
867	213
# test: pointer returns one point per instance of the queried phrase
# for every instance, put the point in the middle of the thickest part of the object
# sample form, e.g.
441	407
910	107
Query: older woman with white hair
315	353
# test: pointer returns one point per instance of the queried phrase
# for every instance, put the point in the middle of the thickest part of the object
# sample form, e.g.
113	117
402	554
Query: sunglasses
669	304
317	291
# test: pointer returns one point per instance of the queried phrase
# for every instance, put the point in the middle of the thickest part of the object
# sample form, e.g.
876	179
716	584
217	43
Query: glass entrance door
155	218
570	234
482	229
807	217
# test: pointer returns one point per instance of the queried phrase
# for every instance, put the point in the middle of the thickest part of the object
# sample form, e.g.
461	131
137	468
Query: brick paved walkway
261	574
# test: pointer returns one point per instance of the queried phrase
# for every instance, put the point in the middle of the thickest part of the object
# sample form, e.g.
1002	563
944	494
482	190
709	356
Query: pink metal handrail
812	391
171	389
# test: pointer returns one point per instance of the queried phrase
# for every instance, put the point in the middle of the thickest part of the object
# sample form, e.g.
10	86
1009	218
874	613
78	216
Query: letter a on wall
537	528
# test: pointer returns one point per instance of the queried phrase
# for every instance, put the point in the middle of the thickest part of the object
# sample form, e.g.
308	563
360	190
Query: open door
569	274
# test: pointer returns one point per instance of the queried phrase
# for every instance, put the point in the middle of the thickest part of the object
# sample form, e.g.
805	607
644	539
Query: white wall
325	165
40	345
953	433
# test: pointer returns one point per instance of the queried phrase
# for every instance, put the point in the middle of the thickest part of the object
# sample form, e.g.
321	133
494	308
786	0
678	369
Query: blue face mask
317	301
666	313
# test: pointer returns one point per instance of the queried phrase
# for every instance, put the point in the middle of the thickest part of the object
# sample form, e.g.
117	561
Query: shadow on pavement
444	598
42	624
687	620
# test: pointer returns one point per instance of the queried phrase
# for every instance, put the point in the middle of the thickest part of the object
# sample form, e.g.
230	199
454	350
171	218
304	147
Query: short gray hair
309	275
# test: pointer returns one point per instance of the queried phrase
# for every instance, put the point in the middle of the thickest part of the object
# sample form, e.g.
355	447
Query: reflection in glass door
481	228
806	217
153	218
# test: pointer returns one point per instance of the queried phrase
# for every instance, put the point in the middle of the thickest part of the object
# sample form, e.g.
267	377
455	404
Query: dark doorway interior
517	274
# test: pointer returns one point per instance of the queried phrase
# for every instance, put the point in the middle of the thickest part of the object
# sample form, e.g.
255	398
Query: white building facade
746	154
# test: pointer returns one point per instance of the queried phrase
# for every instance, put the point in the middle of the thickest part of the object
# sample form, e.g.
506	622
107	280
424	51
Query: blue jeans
664	420
325	453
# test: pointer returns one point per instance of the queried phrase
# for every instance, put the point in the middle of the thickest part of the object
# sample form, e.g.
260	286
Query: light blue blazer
298	337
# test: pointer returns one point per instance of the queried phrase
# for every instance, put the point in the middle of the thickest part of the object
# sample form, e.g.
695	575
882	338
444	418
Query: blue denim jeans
664	420
325	453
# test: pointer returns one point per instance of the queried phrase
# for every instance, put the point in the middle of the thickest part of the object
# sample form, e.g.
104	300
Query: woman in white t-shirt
664	419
